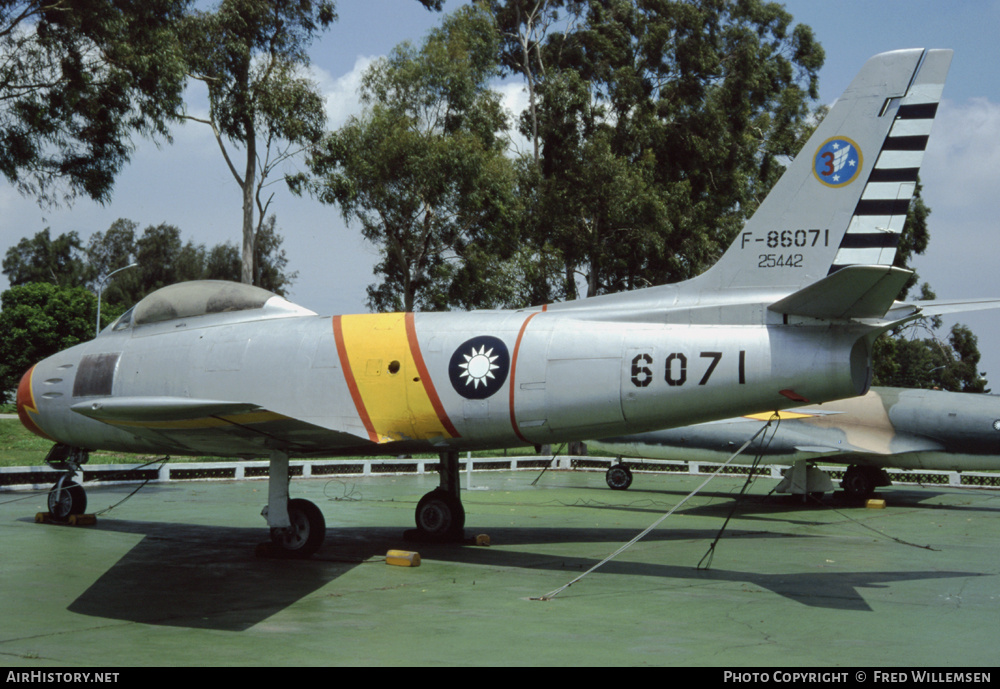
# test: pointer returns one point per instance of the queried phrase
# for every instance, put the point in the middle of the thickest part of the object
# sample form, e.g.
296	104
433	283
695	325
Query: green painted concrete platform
169	578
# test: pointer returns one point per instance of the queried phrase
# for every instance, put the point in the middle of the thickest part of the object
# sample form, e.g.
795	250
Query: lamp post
100	288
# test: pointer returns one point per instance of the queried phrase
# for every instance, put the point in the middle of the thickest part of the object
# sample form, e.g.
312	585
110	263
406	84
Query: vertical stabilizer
843	200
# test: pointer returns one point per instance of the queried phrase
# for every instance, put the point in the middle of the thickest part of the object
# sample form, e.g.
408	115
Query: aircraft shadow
768	506
205	577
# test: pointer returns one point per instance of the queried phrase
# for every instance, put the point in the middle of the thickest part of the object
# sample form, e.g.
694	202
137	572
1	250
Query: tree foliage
423	170
36	321
78	79
163	258
251	55
656	127
904	359
60	261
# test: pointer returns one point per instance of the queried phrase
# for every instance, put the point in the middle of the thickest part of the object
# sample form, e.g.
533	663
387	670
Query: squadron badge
479	367
837	162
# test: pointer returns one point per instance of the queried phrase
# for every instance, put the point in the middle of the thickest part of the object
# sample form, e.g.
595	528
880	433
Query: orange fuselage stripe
513	369
425	377
352	384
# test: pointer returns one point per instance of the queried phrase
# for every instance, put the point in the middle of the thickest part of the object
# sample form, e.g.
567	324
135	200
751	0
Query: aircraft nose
27	410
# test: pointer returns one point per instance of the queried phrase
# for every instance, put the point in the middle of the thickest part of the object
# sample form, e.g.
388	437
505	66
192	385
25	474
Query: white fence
19	478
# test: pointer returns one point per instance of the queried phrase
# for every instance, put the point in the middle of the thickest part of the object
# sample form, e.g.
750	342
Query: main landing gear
297	526
860	481
619	476
440	516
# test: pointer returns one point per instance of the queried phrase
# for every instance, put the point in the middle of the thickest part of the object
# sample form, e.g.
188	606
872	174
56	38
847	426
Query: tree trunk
249	179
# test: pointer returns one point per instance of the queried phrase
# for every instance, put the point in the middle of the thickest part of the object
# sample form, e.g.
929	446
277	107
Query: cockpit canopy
205	297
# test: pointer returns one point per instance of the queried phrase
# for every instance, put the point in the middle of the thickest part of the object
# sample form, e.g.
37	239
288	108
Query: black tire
307	532
859	482
440	515
66	499
618	477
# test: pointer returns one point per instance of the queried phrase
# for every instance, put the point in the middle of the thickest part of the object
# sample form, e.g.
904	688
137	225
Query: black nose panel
95	375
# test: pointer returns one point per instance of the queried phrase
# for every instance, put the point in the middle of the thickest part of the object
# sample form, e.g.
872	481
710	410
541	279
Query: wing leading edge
194	426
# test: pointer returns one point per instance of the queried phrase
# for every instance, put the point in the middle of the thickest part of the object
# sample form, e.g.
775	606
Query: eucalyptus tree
78	80
252	57
691	104
422	169
61	261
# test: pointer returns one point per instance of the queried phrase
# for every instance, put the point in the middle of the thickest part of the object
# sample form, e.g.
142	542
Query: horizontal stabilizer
851	292
938	307
903	312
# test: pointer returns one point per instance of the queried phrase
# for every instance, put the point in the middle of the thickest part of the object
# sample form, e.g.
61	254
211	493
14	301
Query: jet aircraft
787	316
886	428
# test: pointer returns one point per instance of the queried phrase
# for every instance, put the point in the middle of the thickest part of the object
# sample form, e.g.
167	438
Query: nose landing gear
67	498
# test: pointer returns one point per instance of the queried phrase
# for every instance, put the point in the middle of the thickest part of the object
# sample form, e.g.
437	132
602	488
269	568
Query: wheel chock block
402	558
72	520
875	504
483	539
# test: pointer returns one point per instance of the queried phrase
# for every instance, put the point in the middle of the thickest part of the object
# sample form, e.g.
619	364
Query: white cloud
341	93
963	154
514	95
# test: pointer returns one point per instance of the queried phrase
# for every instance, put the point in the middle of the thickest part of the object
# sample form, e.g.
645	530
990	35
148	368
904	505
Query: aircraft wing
831	437
196	425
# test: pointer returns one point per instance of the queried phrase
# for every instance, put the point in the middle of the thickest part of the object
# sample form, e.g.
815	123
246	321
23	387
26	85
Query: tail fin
843	200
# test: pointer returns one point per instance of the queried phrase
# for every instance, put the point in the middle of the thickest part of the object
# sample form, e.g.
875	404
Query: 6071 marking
675	368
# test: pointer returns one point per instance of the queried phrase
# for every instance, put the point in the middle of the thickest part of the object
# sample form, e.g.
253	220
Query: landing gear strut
440	515
297	526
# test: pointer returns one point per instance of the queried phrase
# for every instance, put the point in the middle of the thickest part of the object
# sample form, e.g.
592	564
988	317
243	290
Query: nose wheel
66	499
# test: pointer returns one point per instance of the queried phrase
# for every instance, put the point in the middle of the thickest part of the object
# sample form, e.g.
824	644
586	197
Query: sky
187	183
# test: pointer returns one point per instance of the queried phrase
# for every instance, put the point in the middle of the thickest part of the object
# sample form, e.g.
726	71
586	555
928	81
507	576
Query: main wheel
440	515
307	531
66	499
859	482
618	477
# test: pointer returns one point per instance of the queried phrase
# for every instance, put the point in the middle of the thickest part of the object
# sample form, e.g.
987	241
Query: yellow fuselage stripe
392	391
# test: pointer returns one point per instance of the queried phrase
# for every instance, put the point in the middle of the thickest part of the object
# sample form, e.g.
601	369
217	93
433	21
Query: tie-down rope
552	594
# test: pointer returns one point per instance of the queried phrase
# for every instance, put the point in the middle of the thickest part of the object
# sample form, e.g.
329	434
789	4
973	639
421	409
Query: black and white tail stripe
878	219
